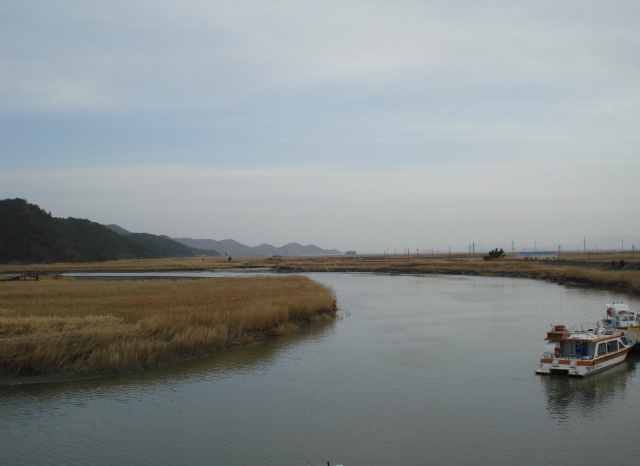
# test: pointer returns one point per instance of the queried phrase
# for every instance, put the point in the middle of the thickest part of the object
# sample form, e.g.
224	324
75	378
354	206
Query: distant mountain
162	245
234	248
31	235
165	246
225	246
118	229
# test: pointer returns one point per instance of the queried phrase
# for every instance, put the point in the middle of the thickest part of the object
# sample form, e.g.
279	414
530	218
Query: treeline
30	235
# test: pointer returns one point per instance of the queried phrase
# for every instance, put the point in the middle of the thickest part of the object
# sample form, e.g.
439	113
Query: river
417	370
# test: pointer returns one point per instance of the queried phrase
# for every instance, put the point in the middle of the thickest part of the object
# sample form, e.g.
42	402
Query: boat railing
589	327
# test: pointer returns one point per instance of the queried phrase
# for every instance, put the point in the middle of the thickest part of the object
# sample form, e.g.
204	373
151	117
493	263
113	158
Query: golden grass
598	269
86	327
330	263
605	274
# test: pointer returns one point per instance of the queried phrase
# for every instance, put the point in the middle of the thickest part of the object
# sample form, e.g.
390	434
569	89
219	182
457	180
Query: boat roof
582	332
620	306
586	337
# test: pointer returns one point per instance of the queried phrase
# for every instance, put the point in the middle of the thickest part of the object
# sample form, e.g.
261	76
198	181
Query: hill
234	248
161	244
31	235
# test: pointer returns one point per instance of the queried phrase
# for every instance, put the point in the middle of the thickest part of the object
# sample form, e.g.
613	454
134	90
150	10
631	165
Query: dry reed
86	327
601	275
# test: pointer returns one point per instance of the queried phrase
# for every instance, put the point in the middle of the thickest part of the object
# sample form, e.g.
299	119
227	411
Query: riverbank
619	271
598	275
54	327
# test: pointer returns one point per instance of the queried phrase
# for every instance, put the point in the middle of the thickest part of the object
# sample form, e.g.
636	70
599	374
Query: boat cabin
618	315
586	342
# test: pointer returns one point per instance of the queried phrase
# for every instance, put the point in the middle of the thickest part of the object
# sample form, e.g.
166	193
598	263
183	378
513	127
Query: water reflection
568	396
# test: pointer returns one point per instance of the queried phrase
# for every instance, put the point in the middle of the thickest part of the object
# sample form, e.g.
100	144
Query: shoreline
605	270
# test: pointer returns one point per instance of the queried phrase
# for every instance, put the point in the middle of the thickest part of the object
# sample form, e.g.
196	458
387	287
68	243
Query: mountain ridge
233	247
30	235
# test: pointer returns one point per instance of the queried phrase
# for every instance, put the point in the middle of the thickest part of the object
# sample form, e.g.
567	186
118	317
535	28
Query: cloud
149	56
344	123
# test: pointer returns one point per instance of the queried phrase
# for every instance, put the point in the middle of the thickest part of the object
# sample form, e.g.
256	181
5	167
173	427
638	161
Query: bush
495	254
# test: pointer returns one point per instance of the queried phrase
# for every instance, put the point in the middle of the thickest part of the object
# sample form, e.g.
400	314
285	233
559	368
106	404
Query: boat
583	349
619	315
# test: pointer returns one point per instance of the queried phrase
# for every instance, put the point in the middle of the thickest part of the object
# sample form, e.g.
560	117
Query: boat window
602	348
612	346
582	348
624	340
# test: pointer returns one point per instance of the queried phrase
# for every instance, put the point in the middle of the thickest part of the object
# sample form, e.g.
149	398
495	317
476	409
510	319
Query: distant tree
495	254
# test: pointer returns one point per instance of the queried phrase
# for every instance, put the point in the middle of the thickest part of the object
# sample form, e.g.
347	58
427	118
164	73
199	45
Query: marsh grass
599	275
88	327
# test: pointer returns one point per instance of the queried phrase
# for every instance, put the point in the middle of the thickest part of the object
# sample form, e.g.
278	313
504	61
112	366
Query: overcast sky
366	125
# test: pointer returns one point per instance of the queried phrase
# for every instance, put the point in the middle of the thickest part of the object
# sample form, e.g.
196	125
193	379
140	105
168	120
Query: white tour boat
618	315
583	349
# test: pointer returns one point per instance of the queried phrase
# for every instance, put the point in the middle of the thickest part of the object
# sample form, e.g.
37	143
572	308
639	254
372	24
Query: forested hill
30	235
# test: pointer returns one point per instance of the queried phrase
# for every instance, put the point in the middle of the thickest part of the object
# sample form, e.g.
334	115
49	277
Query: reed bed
408	262
97	327
603	275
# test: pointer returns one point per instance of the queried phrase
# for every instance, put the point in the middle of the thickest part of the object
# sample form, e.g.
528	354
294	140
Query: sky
352	125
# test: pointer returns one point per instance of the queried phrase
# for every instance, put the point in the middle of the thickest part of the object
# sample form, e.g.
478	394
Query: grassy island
57	325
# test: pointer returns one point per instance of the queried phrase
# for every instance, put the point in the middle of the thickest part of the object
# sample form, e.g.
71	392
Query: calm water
417	371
